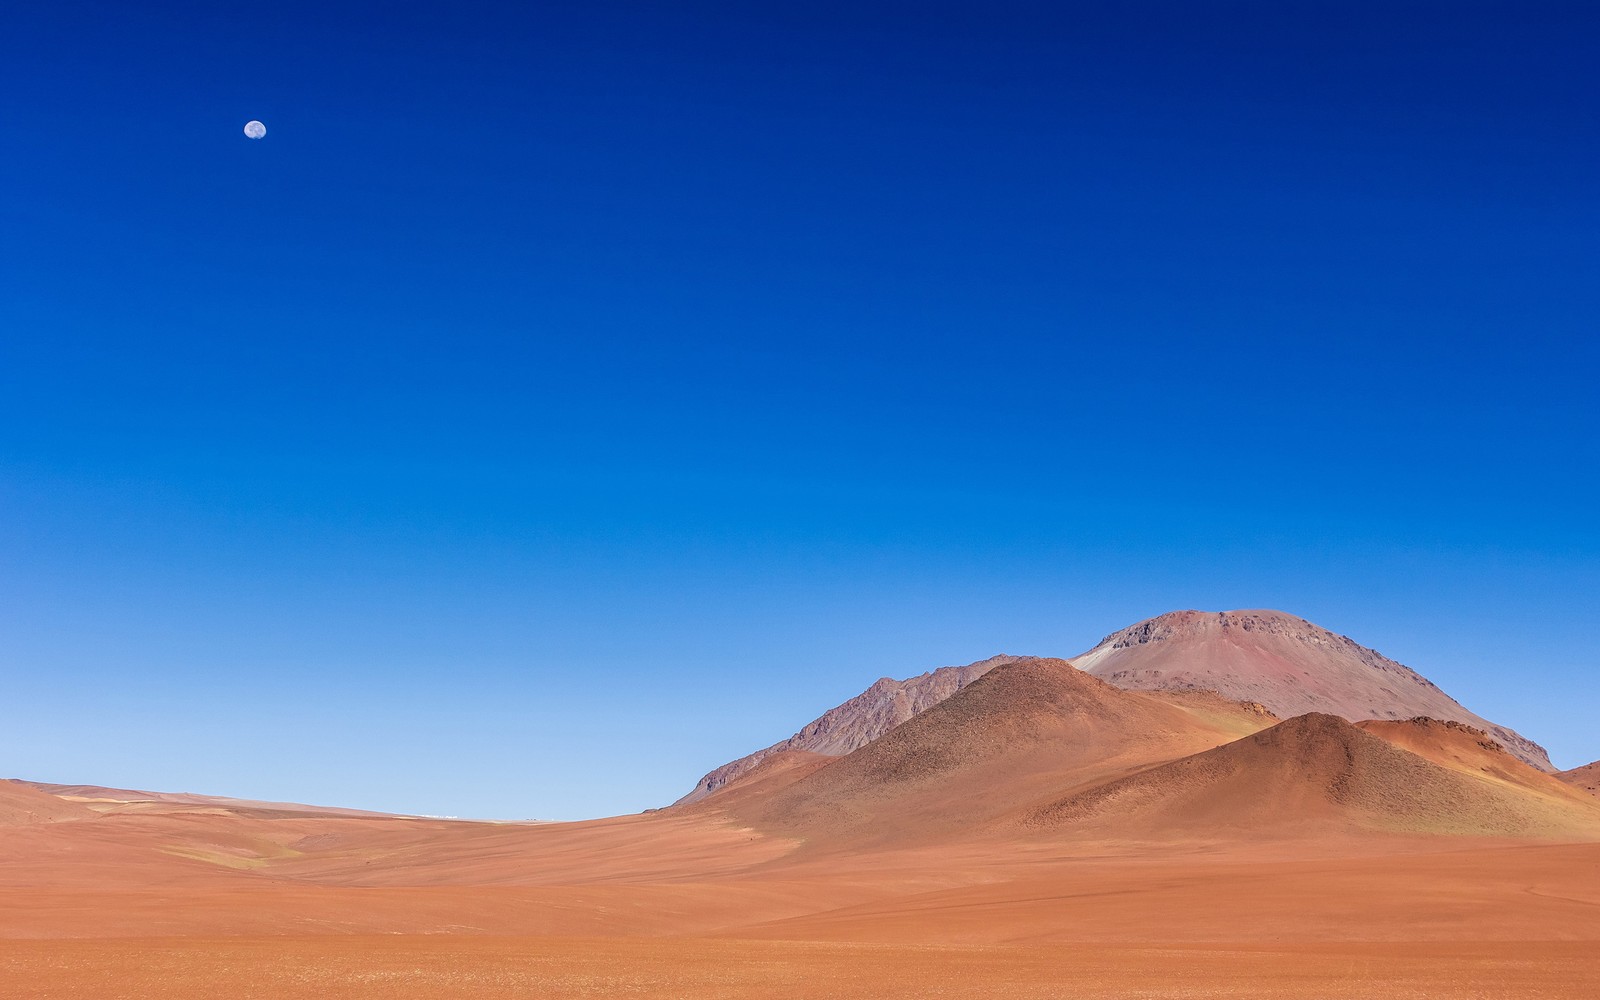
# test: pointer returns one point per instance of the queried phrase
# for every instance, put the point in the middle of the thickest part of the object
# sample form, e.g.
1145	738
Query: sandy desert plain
1233	804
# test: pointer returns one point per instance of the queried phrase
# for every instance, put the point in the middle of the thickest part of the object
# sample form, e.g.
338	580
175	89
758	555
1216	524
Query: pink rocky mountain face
1282	662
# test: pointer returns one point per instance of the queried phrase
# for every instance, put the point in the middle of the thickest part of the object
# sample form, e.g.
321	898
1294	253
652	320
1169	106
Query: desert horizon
888	702
1019	826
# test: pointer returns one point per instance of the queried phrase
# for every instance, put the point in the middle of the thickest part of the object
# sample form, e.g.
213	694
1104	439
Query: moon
254	129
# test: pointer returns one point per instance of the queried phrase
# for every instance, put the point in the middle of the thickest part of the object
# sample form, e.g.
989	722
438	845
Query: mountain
857	722
1037	747
1586	777
1003	744
1283	662
1319	774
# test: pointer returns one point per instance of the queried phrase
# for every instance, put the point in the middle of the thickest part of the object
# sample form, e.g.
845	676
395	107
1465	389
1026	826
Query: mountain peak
1290	665
1190	624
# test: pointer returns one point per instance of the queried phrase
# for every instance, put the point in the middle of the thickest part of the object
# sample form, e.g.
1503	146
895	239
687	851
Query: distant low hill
102	800
21	804
1586	777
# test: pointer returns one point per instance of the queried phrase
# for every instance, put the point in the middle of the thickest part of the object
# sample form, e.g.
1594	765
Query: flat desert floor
720	969
197	904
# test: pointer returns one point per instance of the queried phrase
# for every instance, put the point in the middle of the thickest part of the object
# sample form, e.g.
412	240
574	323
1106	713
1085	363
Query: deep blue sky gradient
562	400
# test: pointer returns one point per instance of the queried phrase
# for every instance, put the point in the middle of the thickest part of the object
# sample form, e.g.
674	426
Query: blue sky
561	401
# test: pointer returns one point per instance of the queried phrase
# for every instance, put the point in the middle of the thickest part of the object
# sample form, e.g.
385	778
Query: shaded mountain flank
857	722
1001	745
1319	774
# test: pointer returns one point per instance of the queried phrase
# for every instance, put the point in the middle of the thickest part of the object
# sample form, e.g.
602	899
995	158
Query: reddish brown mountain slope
1007	742
858	721
1283	662
1316	773
1586	777
1464	748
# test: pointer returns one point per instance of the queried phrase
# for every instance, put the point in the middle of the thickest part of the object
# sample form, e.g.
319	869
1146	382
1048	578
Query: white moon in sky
254	130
